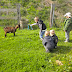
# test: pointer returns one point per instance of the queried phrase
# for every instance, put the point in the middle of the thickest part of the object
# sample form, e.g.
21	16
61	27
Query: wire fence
8	14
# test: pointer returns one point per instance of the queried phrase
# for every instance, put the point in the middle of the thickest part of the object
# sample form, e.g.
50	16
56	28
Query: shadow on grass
12	36
70	41
15	35
62	49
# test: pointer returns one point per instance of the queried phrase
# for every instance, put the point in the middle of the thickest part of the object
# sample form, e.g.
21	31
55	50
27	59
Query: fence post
18	12
52	14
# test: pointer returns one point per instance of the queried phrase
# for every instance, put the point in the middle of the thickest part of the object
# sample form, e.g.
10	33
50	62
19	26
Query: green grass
25	52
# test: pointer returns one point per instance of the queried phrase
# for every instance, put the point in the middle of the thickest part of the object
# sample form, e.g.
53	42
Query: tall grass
25	52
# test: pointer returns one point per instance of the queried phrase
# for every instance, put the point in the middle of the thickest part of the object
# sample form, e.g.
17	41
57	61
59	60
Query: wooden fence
52	14
16	10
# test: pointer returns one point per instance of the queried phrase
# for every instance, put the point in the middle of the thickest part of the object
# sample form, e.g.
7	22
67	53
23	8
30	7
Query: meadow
25	52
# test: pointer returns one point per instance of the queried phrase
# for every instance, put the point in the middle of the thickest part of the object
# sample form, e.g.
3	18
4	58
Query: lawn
25	52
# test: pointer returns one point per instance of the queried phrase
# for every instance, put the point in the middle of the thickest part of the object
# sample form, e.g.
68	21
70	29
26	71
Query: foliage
60	1
31	8
25	52
8	22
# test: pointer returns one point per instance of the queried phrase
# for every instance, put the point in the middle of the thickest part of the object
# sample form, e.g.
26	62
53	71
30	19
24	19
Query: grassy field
25	52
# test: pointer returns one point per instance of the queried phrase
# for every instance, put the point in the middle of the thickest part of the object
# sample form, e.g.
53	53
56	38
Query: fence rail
7	11
9	17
